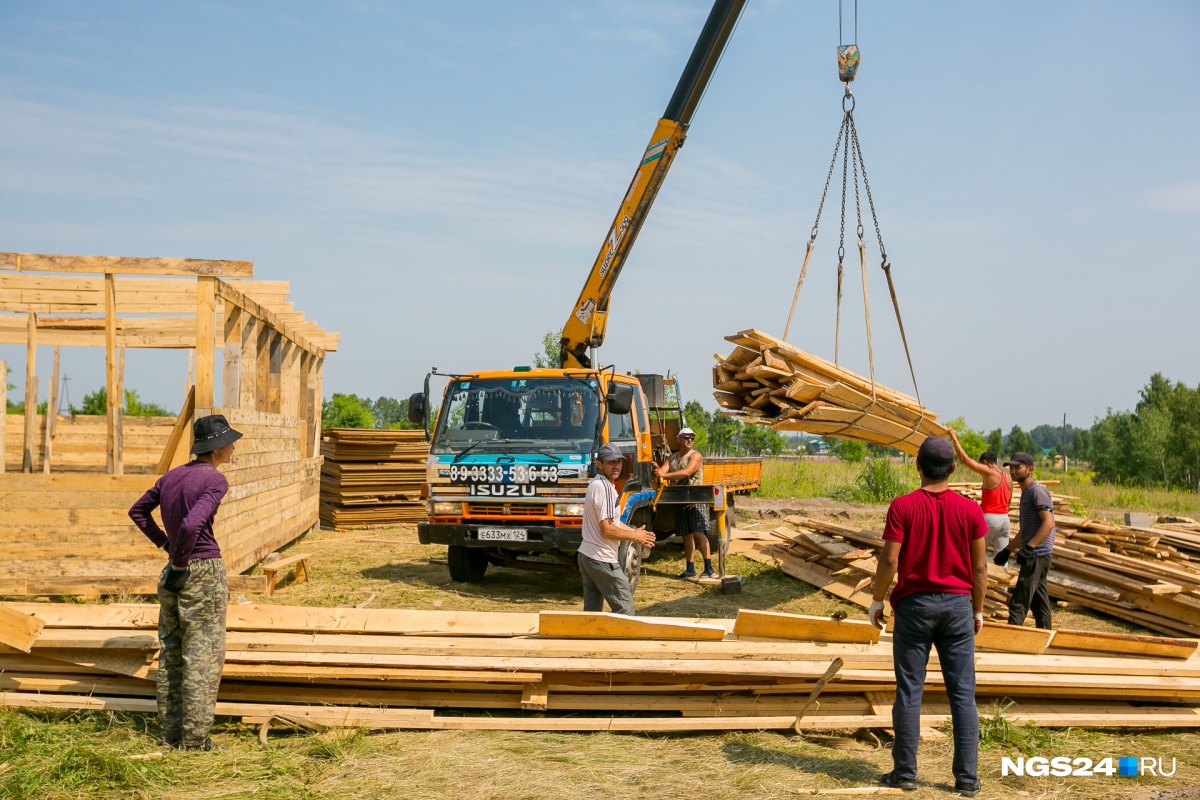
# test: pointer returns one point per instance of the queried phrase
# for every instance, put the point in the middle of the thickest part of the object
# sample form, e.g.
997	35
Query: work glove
175	579
978	622
166	546
1001	557
875	613
1025	555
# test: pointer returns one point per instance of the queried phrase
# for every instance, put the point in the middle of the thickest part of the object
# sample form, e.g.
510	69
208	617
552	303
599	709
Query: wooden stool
271	570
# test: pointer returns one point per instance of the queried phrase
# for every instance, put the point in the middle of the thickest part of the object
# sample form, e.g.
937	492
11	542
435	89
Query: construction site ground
86	754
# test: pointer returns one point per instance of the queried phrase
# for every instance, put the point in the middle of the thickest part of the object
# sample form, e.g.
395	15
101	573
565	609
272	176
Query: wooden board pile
371	477
562	671
380	668
1131	574
769	382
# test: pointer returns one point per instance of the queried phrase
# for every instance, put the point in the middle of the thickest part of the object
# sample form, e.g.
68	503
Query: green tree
134	407
699	420
551	355
1018	441
94	403
759	440
971	440
995	443
724	434
346	411
10	406
1156	444
848	450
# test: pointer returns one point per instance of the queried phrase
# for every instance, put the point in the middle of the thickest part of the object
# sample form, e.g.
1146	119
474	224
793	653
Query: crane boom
586	324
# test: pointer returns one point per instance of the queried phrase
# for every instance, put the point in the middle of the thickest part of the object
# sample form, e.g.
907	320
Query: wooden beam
181	439
36	262
262	366
18	630
205	341
774	625
232	354
110	373
302	367
28	445
3	410
248	372
315	431
119	425
231	295
598	625
51	415
275	373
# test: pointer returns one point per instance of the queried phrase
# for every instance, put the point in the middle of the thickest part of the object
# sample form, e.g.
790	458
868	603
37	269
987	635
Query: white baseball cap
687	432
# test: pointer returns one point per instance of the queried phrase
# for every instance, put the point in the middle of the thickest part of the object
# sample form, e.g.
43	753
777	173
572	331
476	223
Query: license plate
502	535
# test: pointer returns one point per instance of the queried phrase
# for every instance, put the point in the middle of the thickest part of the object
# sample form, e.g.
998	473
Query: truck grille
506	511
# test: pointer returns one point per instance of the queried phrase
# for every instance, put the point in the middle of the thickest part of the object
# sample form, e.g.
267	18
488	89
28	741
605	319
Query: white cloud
1182	198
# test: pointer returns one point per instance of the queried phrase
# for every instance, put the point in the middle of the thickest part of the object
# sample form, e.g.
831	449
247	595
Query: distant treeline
352	411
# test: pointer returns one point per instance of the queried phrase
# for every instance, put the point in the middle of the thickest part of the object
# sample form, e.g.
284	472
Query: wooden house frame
64	528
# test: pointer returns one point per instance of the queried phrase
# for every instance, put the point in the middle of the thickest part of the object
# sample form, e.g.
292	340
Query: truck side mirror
620	398
416	408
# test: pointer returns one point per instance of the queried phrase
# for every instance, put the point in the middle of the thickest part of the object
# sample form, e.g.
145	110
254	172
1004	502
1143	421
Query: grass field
59	755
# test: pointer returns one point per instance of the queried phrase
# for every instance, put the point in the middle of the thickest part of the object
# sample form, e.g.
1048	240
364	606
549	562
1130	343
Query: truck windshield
548	414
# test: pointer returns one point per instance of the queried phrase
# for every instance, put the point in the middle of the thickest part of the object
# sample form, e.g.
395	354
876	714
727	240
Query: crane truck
511	451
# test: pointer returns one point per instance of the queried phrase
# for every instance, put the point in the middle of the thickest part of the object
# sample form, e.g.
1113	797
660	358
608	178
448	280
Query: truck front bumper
538	538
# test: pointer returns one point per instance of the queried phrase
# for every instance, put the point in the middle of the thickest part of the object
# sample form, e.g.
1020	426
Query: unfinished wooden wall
79	443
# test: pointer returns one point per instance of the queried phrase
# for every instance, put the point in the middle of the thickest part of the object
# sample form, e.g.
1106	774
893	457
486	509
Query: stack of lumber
1127	573
767	381
973	490
371	477
380	668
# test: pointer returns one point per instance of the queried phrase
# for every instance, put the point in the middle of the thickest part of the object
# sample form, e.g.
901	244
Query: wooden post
318	379
312	413
230	378
302	400
29	442
3	411
289	381
110	372
249	368
206	343
275	377
262	367
119	426
51	414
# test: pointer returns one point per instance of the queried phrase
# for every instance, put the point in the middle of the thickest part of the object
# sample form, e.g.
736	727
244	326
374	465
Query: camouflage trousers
191	635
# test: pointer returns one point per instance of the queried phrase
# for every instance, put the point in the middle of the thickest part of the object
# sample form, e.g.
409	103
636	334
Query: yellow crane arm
586	324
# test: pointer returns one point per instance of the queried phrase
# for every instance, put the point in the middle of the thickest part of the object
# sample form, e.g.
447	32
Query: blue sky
436	179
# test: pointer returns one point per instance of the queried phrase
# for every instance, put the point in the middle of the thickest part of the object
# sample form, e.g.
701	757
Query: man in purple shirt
192	591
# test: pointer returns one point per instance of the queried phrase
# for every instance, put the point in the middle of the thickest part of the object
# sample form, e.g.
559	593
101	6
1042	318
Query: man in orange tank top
997	494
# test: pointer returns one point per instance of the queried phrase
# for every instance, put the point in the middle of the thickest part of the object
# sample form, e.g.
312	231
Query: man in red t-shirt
933	543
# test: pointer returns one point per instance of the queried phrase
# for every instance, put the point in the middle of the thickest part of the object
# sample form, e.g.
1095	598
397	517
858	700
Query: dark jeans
604	581
1030	594
946	622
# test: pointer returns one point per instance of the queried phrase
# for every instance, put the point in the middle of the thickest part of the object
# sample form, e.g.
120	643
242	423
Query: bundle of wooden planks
371	477
381	668
769	382
1122	572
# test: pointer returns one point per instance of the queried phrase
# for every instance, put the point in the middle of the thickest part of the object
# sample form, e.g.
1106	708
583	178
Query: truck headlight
568	509
441	509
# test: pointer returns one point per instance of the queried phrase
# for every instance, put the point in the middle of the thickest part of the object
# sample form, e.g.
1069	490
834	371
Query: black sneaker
687	573
891	780
708	573
207	746
967	788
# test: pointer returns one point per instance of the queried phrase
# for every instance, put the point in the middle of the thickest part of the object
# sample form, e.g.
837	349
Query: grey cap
609	452
935	452
1020	458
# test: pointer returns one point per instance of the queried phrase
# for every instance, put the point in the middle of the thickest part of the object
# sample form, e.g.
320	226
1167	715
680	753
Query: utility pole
1064	442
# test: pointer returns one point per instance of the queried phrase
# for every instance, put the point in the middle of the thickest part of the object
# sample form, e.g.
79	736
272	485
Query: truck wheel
629	557
467	564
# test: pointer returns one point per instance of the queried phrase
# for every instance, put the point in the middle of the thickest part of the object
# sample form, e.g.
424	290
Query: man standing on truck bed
685	467
997	494
603	530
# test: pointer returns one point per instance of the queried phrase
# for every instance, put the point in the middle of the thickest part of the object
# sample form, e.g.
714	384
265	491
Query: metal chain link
828	177
870	201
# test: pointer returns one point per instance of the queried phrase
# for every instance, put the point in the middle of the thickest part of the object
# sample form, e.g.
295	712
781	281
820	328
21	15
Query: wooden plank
51	418
4	409
535	696
205	341
1012	638
275	373
110	374
600	625
248	372
1124	643
18	631
35	262
774	625
232	295
28	444
119	426
263	366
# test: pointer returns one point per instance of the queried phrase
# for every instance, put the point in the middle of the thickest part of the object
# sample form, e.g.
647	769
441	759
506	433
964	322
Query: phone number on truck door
503	473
